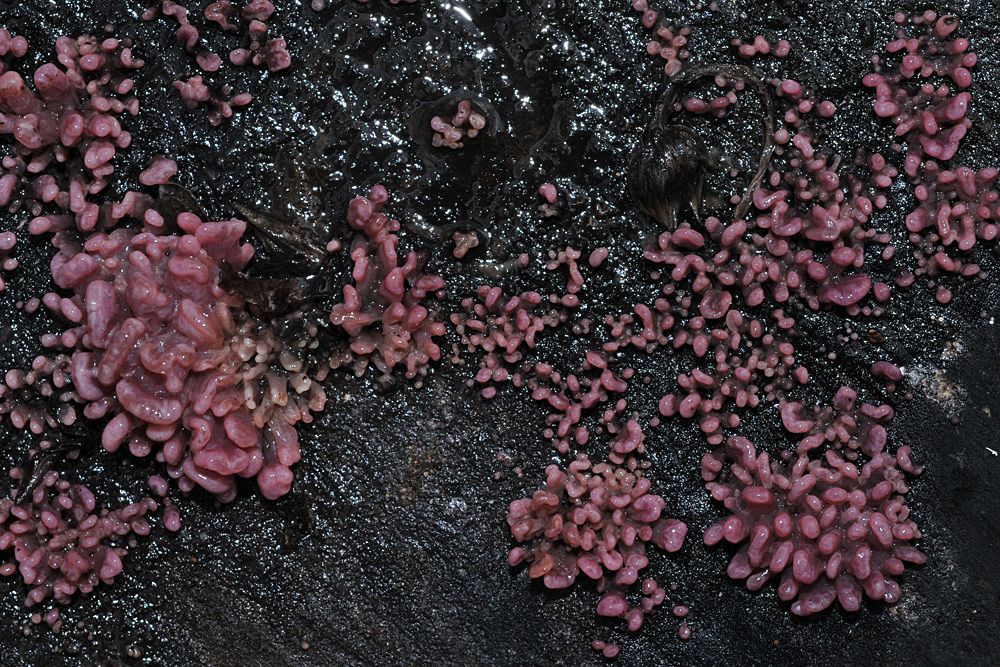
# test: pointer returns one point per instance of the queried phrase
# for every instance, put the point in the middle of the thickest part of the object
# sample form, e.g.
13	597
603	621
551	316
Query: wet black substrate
391	547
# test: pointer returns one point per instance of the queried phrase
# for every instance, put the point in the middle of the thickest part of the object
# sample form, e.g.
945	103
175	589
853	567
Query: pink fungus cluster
567	257
572	396
843	425
464	242
14	45
811	233
502	328
744	360
595	519
173	359
506	330
465	124
826	528
829	520
718	105
160	171
155	346
810	237
259	51
607	650
763	46
382	312
72	120
889	372
550	200
958	205
40	397
670	42
255	13
7	263
183	372
219	103
63	542
591	518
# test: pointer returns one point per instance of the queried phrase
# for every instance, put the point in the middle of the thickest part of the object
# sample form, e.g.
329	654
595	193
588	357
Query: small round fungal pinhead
667	172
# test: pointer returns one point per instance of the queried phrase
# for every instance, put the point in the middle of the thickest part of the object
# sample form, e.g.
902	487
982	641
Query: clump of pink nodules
669	41
464	242
833	527
958	206
803	248
812	230
73	120
889	373
174	359
382	312
219	103
594	386
465	124
567	257
845	425
747	360
825	528
7	263
550	200
505	330
502	328
64	543
763	46
175	362
595	519
14	45
40	397
254	13
195	91
718	105
607	650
